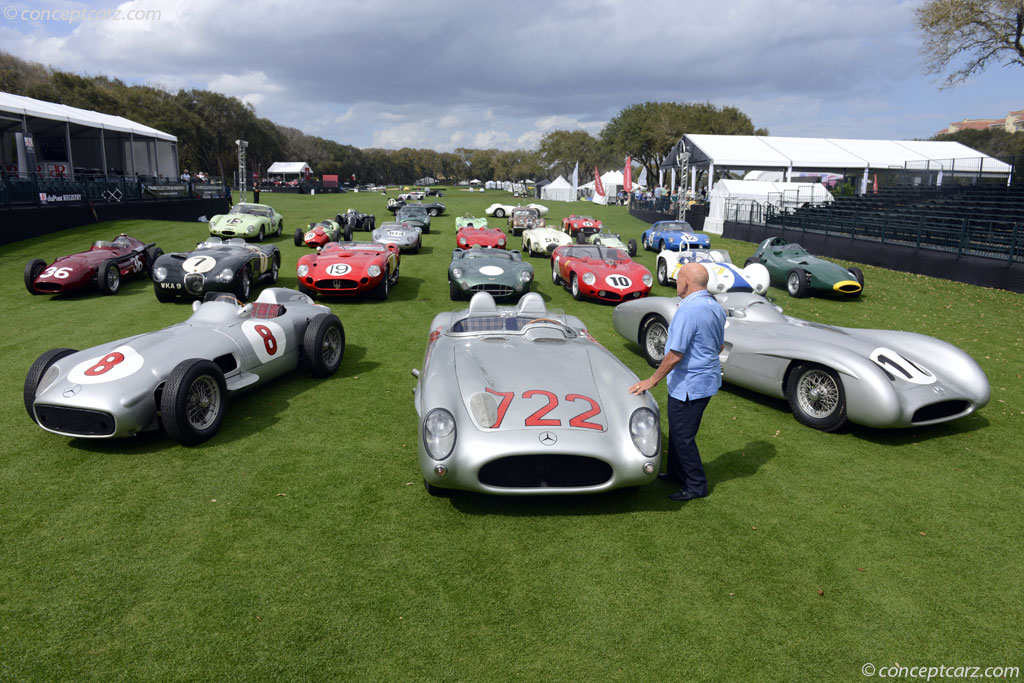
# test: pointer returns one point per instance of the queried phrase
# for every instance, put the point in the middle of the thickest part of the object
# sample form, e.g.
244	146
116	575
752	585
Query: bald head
690	278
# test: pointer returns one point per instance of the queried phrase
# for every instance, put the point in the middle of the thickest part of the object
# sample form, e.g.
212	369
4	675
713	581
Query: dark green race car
791	266
486	269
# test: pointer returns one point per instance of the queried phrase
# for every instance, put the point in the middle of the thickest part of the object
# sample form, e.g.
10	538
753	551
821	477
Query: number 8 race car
180	377
563	422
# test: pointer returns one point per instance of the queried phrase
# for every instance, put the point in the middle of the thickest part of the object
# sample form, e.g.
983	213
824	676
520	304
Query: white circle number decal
199	264
618	281
491	270
338	269
266	338
112	365
309	235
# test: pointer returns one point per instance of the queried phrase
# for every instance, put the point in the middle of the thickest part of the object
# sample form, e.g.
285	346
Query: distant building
1013	123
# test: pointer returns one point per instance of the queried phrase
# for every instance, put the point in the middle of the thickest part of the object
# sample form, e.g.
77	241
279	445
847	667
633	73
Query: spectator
185	177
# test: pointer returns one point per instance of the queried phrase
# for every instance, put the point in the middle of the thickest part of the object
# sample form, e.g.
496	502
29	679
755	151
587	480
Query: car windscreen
492	254
675	227
506	324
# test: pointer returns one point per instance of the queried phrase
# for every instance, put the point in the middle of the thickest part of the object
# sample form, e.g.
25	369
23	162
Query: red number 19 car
602	273
102	266
349	268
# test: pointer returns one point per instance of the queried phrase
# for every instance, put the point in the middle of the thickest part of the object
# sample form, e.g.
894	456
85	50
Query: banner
166	190
642	182
575	181
627	175
599	195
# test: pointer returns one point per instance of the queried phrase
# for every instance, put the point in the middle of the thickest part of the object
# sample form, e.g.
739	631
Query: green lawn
299	544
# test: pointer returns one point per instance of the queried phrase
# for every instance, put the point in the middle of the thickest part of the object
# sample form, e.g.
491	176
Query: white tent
491	184
289	168
739	200
559	190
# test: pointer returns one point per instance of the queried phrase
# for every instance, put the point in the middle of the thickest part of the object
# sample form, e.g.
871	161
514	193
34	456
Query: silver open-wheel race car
877	378
180	377
521	400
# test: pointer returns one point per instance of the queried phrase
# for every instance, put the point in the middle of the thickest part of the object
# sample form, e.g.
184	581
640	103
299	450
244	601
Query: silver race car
180	377
404	236
520	400
877	378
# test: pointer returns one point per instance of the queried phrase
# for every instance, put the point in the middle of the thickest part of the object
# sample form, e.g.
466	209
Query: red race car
603	273
581	227
319	234
486	237
102	266
348	269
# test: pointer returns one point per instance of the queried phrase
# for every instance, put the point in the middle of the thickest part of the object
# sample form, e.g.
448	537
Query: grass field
299	543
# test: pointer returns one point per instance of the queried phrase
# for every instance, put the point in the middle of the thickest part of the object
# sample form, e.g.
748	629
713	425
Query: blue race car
672	235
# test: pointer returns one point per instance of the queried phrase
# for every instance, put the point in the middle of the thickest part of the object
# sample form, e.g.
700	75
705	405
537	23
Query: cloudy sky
446	74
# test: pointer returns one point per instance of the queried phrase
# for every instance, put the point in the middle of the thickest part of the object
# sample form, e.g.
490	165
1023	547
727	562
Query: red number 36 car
102	266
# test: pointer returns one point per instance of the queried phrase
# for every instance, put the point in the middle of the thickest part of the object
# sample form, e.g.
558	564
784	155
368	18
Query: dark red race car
349	269
102	266
581	227
319	234
603	273
469	235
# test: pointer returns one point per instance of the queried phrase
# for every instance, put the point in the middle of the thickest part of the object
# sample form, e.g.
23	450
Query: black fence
38	190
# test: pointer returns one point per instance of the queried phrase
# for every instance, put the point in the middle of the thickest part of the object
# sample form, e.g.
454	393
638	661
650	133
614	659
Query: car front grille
938	411
75	420
850	288
545	470
194	283
336	284
493	288
48	287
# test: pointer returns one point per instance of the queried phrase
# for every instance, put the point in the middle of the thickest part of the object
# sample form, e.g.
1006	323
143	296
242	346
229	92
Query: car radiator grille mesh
75	420
336	284
493	289
545	470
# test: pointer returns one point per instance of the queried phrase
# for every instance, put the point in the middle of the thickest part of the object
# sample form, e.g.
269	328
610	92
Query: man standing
695	338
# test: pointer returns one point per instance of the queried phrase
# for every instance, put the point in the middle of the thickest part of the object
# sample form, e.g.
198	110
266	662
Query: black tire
454	293
243	288
108	278
337	218
298	237
436	491
275	267
661	246
259	235
335	234
193	401
816	397
662	272
750	261
574	287
643	241
652	338
323	345
859	274
380	292
432	213
371	223
307	291
348	232
499	213
426	229
36	372
152	254
32	270
280	228
797	284
555	278
631	248
419	243
161	294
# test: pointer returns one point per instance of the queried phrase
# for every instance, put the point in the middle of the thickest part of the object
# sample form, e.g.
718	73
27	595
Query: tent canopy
31	108
737	200
288	167
558	190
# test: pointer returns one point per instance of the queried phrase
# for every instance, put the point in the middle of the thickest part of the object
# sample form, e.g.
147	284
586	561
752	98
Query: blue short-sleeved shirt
697	331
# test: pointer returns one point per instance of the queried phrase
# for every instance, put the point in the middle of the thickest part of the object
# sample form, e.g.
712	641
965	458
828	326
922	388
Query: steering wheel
542	320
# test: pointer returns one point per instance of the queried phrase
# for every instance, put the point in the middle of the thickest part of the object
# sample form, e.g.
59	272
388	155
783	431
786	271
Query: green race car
247	220
467	221
791	266
499	272
607	239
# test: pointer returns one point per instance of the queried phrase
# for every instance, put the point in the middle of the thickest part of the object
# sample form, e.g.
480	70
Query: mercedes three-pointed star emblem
548	438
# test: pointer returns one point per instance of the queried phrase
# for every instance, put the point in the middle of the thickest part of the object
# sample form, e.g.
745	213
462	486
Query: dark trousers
684	463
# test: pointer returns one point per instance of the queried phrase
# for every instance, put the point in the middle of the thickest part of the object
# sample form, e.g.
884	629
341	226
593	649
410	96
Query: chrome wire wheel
655	340
793	284
817	393
113	278
330	350
202	404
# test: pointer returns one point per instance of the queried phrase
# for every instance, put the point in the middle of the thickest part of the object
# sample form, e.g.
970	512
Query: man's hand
642	386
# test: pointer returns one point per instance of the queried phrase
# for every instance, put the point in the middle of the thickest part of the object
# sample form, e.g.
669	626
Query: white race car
723	275
502	210
544	240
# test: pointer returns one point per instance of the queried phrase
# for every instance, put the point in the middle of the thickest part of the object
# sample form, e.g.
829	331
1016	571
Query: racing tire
661	246
335	234
643	241
152	254
323	345
662	273
499	213
574	287
32	271
275	268
193	401
858	274
108	278
419	243
380	292
750	261
260	235
631	248
348	232
652	338
280	229
797	284
554	273
298	237
371	224
816	397
454	293
307	291
36	372
161	295
337	219
436	491
244	287
432	213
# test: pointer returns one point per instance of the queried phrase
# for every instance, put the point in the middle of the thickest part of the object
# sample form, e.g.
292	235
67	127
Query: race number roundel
339	269
266	338
199	264
491	271
618	281
309	235
900	367
108	367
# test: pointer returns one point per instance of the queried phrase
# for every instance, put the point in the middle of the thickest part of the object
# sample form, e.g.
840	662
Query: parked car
501	273
791	266
499	210
248	220
404	236
521	400
543	240
599	273
350	269
723	274
414	215
523	218
580	228
608	239
433	209
353	220
103	266
471	234
318	234
673	235
215	266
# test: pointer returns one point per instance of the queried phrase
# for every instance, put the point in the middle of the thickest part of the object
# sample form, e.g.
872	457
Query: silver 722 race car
877	378
521	400
181	376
